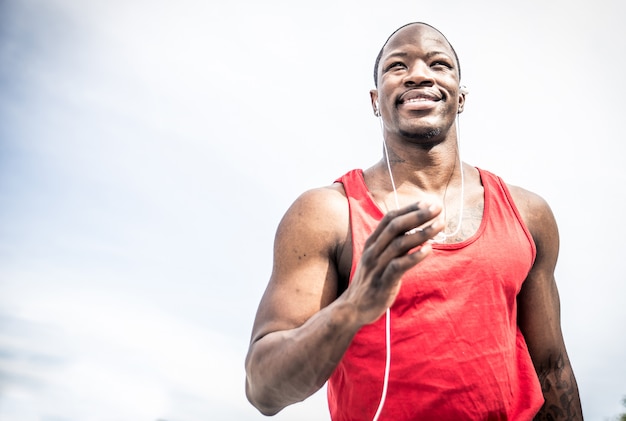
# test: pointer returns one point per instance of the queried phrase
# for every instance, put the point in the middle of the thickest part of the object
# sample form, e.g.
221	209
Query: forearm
288	366
560	391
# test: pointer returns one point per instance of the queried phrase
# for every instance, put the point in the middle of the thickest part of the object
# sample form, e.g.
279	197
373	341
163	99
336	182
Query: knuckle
397	246
388	218
368	259
395	266
394	226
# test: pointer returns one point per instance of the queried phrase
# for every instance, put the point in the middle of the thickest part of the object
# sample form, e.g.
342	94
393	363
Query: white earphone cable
383	396
387	364
442	236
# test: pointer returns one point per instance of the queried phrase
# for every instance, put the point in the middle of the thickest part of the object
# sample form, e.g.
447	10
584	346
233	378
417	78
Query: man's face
418	91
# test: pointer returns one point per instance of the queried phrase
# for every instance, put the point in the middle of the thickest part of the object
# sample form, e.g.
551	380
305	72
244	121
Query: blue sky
149	149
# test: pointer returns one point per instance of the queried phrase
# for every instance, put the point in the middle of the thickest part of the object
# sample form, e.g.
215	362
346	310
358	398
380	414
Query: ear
462	96
375	104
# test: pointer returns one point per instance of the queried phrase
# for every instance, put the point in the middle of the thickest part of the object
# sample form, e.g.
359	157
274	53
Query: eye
395	65
441	64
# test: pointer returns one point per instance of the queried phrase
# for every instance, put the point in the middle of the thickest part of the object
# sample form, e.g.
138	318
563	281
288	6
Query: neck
430	170
442	236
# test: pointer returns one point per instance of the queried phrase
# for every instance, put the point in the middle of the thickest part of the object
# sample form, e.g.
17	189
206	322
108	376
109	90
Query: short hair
380	54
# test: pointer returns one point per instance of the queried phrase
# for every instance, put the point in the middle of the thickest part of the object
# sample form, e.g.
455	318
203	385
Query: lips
418	95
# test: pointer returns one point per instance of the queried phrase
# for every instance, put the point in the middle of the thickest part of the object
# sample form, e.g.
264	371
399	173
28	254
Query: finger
381	252
390	216
389	280
397	223
398	266
406	243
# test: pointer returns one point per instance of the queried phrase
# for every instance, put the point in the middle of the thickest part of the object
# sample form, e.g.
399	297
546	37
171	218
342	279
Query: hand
398	243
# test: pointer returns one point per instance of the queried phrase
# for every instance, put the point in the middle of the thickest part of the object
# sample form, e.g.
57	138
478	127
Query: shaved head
380	54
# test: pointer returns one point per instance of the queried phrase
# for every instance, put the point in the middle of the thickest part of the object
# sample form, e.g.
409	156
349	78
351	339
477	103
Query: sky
148	150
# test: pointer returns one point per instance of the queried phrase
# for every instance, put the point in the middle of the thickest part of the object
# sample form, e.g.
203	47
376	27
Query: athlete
421	287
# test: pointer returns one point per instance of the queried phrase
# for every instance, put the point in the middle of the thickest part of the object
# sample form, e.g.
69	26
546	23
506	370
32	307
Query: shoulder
319	216
327	198
538	217
318	204
533	208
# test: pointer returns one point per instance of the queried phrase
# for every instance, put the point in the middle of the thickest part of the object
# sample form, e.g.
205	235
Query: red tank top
456	350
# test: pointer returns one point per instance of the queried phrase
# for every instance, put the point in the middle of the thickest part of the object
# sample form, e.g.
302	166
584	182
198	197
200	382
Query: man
464	263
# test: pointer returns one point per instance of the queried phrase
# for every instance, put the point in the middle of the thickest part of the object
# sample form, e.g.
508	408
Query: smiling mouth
416	97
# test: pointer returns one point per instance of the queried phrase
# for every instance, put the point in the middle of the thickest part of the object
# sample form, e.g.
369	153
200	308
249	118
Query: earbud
377	109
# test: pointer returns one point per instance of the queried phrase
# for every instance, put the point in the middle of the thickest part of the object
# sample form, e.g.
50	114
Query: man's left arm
539	315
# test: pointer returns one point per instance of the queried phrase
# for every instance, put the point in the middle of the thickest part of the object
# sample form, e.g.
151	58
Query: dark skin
309	314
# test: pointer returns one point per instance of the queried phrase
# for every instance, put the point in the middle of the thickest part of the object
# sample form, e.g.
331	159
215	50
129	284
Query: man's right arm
302	329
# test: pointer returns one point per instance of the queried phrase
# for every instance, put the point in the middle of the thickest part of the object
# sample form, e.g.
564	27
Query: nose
419	74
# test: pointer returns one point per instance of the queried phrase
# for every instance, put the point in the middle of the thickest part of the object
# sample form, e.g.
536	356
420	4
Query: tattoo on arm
560	391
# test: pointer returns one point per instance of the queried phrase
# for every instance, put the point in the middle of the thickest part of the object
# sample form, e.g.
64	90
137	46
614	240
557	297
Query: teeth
418	99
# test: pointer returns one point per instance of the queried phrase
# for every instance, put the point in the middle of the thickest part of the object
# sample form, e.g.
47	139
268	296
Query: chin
425	134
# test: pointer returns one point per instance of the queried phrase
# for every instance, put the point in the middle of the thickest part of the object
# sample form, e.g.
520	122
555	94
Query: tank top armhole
360	204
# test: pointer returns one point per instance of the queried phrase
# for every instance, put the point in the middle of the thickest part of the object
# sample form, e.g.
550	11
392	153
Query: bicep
304	276
539	318
538	300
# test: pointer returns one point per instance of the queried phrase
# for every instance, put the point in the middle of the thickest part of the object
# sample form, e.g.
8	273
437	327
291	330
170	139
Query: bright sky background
148	150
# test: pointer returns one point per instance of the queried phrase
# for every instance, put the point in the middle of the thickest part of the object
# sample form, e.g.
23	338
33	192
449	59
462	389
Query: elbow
258	392
263	404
